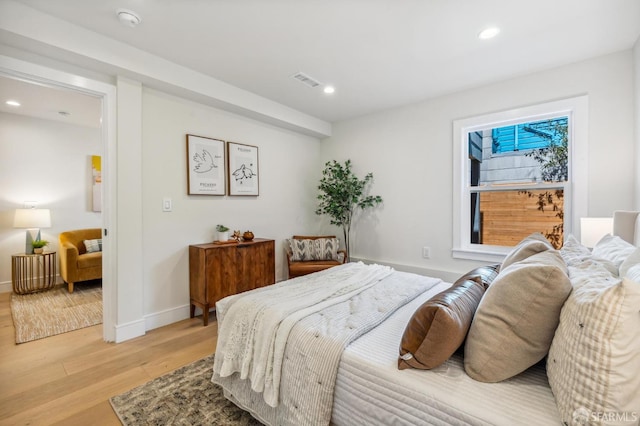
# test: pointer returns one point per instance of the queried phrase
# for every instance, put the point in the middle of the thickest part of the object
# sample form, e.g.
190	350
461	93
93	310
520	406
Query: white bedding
254	329
370	390
316	339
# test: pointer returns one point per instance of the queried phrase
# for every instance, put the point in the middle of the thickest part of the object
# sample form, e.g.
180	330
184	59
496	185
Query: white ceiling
377	53
47	103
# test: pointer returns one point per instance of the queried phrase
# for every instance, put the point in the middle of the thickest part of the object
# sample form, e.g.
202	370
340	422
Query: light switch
166	204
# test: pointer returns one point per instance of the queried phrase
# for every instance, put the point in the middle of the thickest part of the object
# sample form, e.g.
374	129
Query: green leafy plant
553	161
39	243
221	228
342	195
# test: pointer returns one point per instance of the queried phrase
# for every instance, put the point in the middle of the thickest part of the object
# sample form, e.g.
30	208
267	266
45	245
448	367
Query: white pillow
573	251
631	260
613	249
594	359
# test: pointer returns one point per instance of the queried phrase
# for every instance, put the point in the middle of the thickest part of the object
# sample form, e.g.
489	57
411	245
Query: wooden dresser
220	270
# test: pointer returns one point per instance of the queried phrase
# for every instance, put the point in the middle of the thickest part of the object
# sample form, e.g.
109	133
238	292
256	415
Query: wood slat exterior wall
509	216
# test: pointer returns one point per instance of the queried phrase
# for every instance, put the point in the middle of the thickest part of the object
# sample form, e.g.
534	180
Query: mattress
370	390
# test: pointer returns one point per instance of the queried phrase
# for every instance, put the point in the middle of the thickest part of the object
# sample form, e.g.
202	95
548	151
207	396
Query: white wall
48	162
409	151
636	60
289	169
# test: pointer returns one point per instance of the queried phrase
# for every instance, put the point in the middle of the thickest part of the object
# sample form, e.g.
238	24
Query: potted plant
342	195
223	233
39	245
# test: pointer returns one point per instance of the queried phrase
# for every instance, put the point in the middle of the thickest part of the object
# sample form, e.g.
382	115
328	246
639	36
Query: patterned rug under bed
185	396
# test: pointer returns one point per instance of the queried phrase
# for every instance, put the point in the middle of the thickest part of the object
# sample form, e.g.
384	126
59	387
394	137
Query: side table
33	272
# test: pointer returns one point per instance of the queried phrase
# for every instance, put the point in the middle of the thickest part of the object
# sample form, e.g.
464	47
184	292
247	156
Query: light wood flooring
68	379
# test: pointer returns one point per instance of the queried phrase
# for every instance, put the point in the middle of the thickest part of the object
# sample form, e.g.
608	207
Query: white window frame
576	187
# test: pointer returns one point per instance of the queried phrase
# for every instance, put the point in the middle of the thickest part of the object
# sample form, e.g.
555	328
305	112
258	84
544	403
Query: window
518	172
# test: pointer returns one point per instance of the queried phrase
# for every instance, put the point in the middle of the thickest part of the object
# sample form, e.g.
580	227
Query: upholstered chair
76	263
306	263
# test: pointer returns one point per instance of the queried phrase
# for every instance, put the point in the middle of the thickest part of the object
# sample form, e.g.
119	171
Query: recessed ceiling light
488	33
128	17
13	103
329	89
64	113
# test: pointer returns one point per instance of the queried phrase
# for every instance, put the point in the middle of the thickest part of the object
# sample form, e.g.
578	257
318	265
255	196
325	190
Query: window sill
496	256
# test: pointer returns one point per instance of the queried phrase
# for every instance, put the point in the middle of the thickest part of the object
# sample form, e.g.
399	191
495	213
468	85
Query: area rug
185	396
56	311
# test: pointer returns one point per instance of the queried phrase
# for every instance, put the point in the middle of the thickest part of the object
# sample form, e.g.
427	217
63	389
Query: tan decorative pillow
534	243
314	249
594	358
517	318
439	326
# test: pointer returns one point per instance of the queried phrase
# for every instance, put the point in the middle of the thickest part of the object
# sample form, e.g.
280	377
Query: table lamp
32	219
592	229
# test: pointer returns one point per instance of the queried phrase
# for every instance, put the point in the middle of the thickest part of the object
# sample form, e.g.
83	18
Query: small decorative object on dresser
220	270
223	232
247	236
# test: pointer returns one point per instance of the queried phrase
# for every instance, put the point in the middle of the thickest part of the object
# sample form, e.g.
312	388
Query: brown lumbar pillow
515	322
483	274
439	326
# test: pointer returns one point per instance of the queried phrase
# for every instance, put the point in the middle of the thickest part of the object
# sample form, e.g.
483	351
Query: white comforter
257	327
309	321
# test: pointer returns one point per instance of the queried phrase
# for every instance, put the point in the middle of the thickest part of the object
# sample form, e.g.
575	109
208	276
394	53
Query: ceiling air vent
305	79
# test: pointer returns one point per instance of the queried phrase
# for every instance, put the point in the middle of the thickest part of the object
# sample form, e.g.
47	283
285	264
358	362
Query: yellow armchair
75	263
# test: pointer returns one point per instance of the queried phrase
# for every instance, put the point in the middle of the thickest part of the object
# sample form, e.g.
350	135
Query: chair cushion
308	267
314	249
93	246
90	260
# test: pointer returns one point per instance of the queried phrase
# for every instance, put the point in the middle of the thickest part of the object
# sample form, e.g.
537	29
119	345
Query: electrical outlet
426	252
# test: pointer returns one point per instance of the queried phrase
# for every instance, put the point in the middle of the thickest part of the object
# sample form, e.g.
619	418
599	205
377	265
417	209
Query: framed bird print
244	178
205	166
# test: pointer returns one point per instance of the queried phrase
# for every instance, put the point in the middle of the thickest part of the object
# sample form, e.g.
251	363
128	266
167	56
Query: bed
364	385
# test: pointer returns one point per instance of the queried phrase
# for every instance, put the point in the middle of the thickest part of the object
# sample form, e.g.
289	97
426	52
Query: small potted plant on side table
39	245
223	233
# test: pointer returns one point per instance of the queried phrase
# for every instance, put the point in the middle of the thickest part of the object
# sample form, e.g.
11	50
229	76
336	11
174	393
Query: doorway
36	76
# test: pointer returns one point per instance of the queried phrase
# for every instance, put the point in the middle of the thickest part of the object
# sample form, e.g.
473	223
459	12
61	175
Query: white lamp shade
592	229
32	218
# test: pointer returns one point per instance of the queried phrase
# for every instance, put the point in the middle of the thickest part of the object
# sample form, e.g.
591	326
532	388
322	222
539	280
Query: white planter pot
223	236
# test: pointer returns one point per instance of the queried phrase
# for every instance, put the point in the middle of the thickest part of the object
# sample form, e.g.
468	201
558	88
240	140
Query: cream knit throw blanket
253	330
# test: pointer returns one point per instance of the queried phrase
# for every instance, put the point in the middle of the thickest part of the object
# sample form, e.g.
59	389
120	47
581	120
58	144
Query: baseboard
166	317
7	287
129	330
444	275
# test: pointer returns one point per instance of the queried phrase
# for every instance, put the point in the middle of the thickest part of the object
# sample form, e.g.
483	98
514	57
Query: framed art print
244	177
205	166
